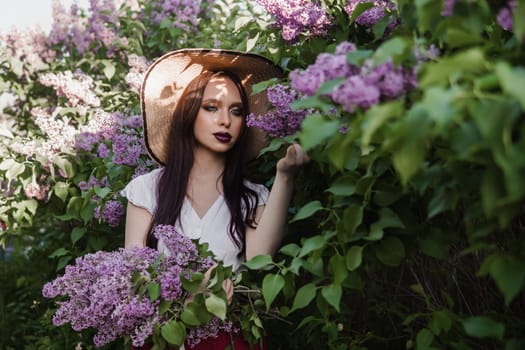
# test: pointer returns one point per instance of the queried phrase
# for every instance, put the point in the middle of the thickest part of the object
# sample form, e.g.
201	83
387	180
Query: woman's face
220	119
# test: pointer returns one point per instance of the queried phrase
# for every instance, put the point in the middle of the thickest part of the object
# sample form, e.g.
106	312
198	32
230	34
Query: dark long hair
171	189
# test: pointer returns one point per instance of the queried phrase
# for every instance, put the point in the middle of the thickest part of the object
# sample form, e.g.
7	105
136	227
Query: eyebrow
213	100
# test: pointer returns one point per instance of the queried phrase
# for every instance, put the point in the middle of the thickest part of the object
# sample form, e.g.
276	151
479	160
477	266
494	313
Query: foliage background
406	228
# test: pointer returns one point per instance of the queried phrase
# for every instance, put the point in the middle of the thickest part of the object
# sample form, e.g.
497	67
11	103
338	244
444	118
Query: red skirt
220	343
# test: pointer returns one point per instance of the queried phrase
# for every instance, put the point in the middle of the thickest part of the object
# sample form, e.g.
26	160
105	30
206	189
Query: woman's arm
271	218
138	221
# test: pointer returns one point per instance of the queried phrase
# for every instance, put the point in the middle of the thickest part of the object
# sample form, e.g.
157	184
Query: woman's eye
236	112
209	108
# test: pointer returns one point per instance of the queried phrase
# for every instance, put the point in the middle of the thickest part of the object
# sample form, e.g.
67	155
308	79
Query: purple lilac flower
112	212
30	47
282	120
210	330
35	190
127	148
100	295
179	245
183	14
138	66
296	17
504	17
76	87
448	8
371	16
361	86
326	67
103	150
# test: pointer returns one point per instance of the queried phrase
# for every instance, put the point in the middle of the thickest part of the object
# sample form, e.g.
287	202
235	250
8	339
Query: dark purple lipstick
223	137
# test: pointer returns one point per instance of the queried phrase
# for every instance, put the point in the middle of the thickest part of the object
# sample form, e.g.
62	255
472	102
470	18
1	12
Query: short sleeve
142	191
261	190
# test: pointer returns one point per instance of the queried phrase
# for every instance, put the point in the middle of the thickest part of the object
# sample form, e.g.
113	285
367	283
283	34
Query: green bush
406	228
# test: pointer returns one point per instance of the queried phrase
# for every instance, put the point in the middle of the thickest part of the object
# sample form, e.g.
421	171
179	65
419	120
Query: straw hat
166	79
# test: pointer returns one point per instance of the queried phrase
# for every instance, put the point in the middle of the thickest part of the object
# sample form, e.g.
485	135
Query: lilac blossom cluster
99	289
448	8
37	191
281	120
360	86
99	29
112	212
296	17
504	17
77	87
138	66
100	295
183	14
371	16
28	51
121	133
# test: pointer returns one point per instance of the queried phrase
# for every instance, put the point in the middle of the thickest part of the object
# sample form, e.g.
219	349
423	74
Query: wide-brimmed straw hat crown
166	79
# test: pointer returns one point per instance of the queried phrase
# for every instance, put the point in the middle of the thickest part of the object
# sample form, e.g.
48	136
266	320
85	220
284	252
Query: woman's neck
207	164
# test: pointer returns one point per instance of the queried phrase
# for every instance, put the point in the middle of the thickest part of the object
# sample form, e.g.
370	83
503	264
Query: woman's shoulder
141	191
260	189
151	176
257	187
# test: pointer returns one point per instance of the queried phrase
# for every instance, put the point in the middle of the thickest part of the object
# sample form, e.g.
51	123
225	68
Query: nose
225	118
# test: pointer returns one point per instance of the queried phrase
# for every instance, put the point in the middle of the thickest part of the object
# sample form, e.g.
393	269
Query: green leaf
251	42
390	251
165	305
327	87
392	49
337	265
376	117
15	170
311	244
509	274
315	129
291	249
483	327
307	210
109	69
512	79
424	338
357	57
59	252
189	315
216	306
258	262
192	285
440	322
174	333
332	294
352	217
344	185
304	296
77	233
263	85
271	286
63	261
518	21
354	257
102	192
61	190
388	218
153	291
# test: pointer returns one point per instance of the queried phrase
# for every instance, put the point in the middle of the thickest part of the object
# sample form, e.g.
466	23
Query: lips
223	137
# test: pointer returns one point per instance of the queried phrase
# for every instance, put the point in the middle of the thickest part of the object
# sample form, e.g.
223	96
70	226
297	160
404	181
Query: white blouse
212	228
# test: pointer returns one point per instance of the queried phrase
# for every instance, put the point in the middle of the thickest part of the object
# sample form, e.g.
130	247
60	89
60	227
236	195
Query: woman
194	105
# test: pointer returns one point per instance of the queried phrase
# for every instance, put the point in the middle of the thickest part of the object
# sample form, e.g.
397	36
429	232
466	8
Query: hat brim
167	77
